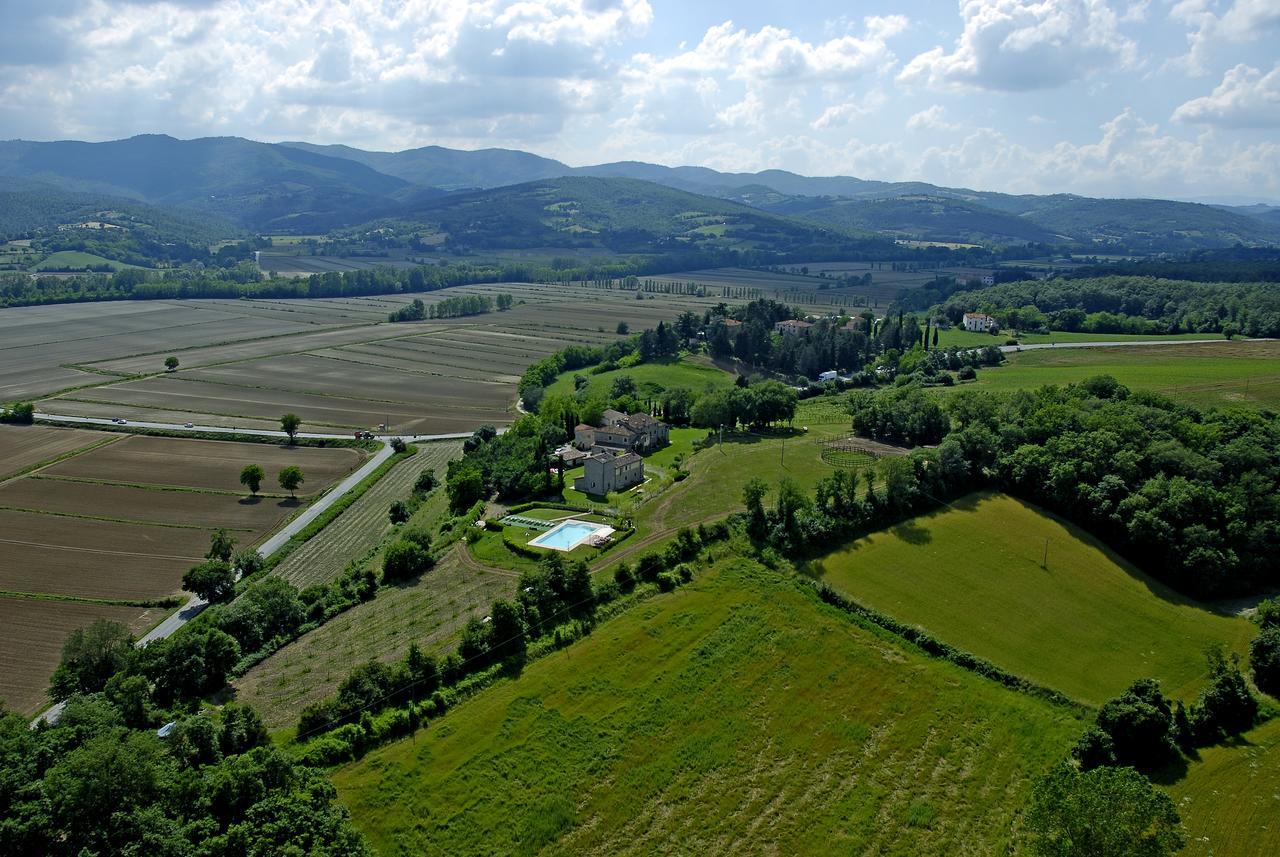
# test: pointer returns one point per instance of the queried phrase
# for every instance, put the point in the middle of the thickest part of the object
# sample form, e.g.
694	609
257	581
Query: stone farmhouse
619	431
604	472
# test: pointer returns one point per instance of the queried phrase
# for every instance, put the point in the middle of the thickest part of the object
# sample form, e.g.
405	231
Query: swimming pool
567	535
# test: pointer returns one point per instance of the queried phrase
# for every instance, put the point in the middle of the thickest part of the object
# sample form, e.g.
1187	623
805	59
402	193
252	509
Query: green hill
737	714
625	215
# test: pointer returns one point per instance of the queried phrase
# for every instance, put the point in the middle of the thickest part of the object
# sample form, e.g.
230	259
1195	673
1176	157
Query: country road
193	607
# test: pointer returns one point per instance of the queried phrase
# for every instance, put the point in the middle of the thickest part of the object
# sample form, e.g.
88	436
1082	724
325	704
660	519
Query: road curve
193	607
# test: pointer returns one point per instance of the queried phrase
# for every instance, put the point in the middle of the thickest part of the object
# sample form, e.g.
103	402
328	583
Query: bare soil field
115	571
245	517
22	447
32	632
206	464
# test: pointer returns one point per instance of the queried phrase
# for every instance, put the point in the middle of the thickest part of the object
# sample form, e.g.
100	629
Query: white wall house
979	321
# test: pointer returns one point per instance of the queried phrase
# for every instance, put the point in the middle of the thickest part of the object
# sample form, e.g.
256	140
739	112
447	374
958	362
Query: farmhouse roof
628	458
641	420
581	426
976	315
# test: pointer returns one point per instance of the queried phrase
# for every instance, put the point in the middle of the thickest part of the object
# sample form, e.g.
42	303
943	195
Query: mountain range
305	188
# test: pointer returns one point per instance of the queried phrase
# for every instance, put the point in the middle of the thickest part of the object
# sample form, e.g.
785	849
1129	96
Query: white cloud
1242	21
1012	45
930	119
1246	98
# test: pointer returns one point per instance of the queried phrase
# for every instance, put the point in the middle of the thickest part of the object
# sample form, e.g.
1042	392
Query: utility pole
1044	563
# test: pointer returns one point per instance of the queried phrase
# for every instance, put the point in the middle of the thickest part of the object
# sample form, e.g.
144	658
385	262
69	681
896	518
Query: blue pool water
565	536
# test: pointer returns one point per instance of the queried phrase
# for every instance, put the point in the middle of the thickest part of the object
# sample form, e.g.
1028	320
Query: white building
979	321
604	472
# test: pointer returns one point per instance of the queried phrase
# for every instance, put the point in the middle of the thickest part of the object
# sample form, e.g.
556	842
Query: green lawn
1230	798
690	372
1230	373
1088	625
734	715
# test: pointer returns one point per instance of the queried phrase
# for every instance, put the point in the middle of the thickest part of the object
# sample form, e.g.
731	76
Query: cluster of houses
610	452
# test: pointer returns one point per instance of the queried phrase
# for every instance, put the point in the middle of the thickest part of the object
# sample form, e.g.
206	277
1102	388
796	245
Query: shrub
398	445
967	373
667	581
399	512
404	559
426	482
1264	658
624	578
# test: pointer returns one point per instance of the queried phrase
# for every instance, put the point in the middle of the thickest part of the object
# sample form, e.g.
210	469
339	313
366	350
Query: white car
188	425
123	421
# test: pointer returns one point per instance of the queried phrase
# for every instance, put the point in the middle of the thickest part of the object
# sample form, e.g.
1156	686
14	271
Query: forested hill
302	188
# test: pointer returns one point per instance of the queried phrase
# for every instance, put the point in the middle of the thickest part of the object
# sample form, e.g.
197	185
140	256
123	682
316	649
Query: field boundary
58	459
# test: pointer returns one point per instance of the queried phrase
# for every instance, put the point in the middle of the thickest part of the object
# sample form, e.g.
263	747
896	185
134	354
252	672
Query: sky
1158	98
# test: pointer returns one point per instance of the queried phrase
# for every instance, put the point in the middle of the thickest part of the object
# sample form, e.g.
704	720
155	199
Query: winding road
193	607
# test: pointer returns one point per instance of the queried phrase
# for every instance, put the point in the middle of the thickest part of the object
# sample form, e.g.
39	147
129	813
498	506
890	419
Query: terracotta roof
581	426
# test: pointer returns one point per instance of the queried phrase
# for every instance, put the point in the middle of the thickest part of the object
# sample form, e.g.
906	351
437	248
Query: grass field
1212	374
735	715
74	260
121	522
1230	798
1088	625
972	339
696	374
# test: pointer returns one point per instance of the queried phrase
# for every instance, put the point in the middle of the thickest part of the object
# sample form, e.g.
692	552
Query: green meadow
737	714
65	260
973	339
1087	624
1210	374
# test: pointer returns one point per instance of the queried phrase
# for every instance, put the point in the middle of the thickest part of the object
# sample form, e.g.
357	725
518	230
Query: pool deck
597	531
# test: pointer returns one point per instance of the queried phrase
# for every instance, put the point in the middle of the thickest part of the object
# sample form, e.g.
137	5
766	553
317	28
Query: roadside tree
290	478
251	477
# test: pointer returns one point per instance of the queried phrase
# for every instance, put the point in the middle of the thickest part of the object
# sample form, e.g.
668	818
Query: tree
753	498
251	477
1226	707
214	581
623	328
507	641
1140	723
1105	812
170	363
19	413
90	657
290	478
465	487
289	424
398	445
426	482
399	512
405	559
249	562
1264	658
220	546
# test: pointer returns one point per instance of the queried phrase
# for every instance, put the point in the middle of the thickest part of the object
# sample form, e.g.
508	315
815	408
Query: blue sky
1101	97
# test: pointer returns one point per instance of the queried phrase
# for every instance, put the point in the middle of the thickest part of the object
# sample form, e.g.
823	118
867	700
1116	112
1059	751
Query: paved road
193	607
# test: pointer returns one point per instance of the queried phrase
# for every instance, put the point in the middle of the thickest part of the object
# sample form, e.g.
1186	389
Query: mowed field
1087	625
336	363
736	715
112	529
1230	797
1208	374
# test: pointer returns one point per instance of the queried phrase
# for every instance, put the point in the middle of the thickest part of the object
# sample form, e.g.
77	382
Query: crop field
1209	374
362	526
75	260
113	527
337	363
32	632
1088	625
429	611
205	464
1230	797
24	447
286	264
734	715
